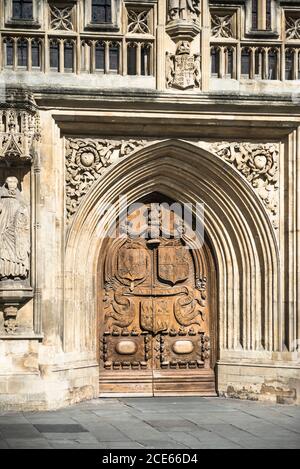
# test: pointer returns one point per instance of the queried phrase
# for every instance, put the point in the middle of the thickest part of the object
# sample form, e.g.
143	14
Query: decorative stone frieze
259	164
86	160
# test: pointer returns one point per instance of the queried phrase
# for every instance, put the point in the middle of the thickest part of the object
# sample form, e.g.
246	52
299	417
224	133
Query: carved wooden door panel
154	319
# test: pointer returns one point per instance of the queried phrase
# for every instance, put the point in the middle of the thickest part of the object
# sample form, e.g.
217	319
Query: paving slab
155	423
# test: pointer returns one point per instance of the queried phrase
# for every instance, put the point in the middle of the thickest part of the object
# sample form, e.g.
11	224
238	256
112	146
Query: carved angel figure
14	232
184	9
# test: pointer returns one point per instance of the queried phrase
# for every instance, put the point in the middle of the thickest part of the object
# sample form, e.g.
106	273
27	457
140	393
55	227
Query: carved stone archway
237	226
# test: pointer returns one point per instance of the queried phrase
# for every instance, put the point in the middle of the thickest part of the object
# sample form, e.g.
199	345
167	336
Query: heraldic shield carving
155	315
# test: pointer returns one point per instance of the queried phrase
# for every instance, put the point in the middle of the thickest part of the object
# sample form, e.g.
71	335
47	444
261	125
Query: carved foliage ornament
259	165
86	160
183	69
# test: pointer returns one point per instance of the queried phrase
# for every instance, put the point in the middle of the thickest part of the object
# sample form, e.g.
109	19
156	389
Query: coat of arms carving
183	68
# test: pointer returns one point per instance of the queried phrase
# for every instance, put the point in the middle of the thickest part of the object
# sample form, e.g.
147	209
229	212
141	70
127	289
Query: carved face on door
154	312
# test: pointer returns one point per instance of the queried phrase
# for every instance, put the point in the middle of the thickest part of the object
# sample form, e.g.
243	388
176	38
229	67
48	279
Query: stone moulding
86	160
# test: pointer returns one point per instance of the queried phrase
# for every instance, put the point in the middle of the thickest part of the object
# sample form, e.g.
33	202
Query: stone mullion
124	56
77	55
138	58
61	55
282	63
46	54
29	54
160	64
106	57
252	63
238	61
15	53
265	74
205	47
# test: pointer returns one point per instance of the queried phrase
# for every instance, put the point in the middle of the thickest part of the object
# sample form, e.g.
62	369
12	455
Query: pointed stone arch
237	226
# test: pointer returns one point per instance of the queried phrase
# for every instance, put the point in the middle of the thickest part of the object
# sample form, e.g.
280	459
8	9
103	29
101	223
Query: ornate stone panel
259	164
87	159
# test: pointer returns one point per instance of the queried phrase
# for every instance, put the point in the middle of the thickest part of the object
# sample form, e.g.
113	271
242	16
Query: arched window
22	9
101	11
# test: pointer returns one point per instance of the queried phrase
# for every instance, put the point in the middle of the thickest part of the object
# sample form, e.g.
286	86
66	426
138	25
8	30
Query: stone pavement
169	422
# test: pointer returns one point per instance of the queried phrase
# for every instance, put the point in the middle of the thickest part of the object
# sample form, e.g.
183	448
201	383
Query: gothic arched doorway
156	305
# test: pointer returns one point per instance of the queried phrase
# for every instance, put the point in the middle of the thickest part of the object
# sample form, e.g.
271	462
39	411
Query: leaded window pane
101	11
22	9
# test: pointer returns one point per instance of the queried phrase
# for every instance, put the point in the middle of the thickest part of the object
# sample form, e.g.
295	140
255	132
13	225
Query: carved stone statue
184	9
14	232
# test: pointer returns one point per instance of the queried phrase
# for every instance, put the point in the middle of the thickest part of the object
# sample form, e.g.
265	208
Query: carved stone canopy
19	127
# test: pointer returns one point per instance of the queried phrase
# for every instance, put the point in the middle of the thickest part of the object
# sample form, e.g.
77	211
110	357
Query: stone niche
18	135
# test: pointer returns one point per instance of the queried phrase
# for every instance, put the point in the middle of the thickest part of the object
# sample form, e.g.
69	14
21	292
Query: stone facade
194	102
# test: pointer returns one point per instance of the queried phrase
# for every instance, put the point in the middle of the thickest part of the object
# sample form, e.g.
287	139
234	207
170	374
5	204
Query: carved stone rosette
86	160
259	164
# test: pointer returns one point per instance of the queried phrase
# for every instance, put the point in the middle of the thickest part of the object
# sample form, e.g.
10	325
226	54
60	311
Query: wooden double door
154	319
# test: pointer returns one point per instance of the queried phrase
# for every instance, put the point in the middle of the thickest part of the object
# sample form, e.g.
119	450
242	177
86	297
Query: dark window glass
101	11
22	53
54	55
9	53
245	65
22	9
268	15
215	62
100	54
254	14
68	56
258	62
289	65
145	61
35	54
131	60
114	58
272	66
229	70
